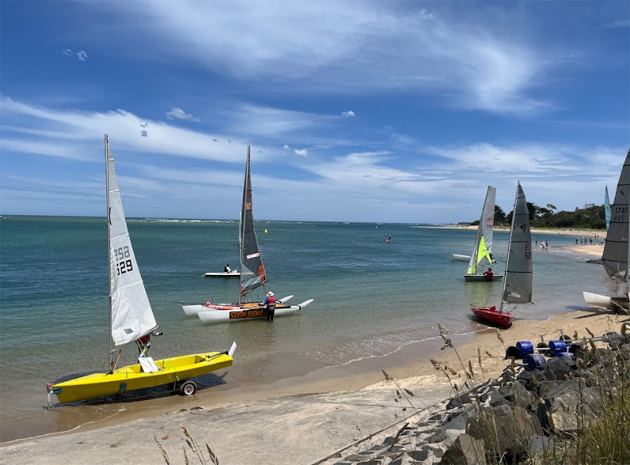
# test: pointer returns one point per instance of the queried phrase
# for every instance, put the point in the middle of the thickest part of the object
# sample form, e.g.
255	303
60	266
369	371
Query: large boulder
466	450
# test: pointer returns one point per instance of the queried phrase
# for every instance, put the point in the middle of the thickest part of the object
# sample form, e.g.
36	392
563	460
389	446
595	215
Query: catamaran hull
604	301
222	274
460	258
241	314
132	378
480	277
192	310
493	316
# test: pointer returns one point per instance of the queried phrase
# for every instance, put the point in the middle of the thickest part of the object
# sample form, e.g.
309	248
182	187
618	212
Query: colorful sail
483	244
615	256
607	208
252	268
131	314
517	285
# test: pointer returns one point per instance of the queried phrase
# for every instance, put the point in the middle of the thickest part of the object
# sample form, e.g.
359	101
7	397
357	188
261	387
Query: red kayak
491	315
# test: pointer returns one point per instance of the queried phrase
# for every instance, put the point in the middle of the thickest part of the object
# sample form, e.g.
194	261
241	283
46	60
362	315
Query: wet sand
311	416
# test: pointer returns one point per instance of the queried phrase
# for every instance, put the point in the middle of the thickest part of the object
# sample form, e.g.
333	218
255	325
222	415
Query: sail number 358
123	260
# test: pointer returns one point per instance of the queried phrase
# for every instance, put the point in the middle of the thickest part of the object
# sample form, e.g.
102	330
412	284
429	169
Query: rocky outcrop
510	418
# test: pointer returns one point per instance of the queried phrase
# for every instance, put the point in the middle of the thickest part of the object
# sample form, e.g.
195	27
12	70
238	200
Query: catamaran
482	251
616	256
253	274
131	318
517	285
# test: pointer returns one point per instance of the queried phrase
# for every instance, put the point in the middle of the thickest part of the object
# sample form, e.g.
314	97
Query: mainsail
130	310
517	286
252	268
615	256
607	208
483	244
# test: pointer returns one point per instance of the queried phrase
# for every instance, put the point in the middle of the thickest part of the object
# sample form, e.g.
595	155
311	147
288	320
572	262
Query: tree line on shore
591	217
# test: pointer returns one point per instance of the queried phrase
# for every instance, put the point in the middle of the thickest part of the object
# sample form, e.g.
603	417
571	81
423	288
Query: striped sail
252	268
131	314
517	285
615	256
483	243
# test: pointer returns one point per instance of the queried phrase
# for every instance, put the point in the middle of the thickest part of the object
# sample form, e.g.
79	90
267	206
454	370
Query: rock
562	406
515	394
466	450
561	367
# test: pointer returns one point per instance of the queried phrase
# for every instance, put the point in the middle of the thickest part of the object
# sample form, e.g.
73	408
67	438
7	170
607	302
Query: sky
366	111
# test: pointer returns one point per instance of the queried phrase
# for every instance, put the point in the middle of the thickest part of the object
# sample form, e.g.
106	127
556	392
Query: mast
507	261
109	252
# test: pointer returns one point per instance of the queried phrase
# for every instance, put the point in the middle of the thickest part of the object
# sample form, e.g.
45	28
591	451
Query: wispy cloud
301	152
178	113
358	47
622	23
80	55
348	113
286	147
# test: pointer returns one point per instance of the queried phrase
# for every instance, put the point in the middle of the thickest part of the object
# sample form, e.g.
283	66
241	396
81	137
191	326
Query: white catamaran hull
192	310
604	301
223	274
239	314
460	258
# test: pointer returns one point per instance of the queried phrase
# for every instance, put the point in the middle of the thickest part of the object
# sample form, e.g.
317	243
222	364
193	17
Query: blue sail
607	209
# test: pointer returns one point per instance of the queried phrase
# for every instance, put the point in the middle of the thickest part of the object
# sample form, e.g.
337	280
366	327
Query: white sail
517	285
483	243
131	314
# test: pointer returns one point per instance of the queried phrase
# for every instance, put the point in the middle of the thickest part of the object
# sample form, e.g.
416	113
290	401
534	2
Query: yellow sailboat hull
132	378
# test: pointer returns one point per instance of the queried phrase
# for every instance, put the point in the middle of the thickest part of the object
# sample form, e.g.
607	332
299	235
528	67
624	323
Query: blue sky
356	111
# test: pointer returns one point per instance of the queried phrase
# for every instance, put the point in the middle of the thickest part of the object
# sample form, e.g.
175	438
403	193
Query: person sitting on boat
488	274
227	269
145	342
270	303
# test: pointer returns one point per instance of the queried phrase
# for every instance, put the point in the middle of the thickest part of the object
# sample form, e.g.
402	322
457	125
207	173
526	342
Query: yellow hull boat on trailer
131	320
174	370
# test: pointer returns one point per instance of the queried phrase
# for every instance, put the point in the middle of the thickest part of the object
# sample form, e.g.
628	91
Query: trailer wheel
187	388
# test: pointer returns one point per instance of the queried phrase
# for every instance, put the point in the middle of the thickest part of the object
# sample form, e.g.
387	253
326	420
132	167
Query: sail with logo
482	251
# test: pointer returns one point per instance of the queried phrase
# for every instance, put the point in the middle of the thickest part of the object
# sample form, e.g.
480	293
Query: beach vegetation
590	217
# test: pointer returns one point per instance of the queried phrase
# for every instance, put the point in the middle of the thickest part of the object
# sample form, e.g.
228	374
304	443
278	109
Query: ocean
372	299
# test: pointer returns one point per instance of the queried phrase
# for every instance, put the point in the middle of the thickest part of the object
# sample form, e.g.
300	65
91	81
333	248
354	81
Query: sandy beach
308	420
587	233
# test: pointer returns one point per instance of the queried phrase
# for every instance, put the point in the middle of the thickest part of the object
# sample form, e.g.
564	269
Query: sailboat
517	285
616	256
253	274
131	318
482	251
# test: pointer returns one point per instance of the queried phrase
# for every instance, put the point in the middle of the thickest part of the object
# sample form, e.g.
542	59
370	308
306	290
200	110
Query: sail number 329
123	260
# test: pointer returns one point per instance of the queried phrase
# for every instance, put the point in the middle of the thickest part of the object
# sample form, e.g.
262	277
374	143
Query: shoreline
361	380
550	231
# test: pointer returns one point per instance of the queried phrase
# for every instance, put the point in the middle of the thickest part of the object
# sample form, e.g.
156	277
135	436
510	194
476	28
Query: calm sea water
371	297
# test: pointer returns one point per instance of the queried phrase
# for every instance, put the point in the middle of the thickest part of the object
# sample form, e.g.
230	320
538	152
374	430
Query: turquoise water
371	297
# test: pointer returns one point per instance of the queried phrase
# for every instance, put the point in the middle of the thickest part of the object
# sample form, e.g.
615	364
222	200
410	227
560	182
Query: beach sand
302	421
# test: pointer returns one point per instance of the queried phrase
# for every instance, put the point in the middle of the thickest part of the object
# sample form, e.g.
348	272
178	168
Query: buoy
556	347
525	347
265	231
534	361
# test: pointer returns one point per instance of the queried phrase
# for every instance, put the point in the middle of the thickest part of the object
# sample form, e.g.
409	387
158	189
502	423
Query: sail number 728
123	260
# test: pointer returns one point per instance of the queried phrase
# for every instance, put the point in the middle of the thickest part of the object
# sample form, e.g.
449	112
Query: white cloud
617	24
178	113
357	47
286	147
301	152
81	55
348	113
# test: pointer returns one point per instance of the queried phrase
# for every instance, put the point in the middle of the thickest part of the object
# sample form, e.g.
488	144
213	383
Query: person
270	303
227	269
144	343
488	274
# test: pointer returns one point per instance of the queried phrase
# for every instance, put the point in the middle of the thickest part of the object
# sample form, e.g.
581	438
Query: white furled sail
517	285
615	256
483	243
131	314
